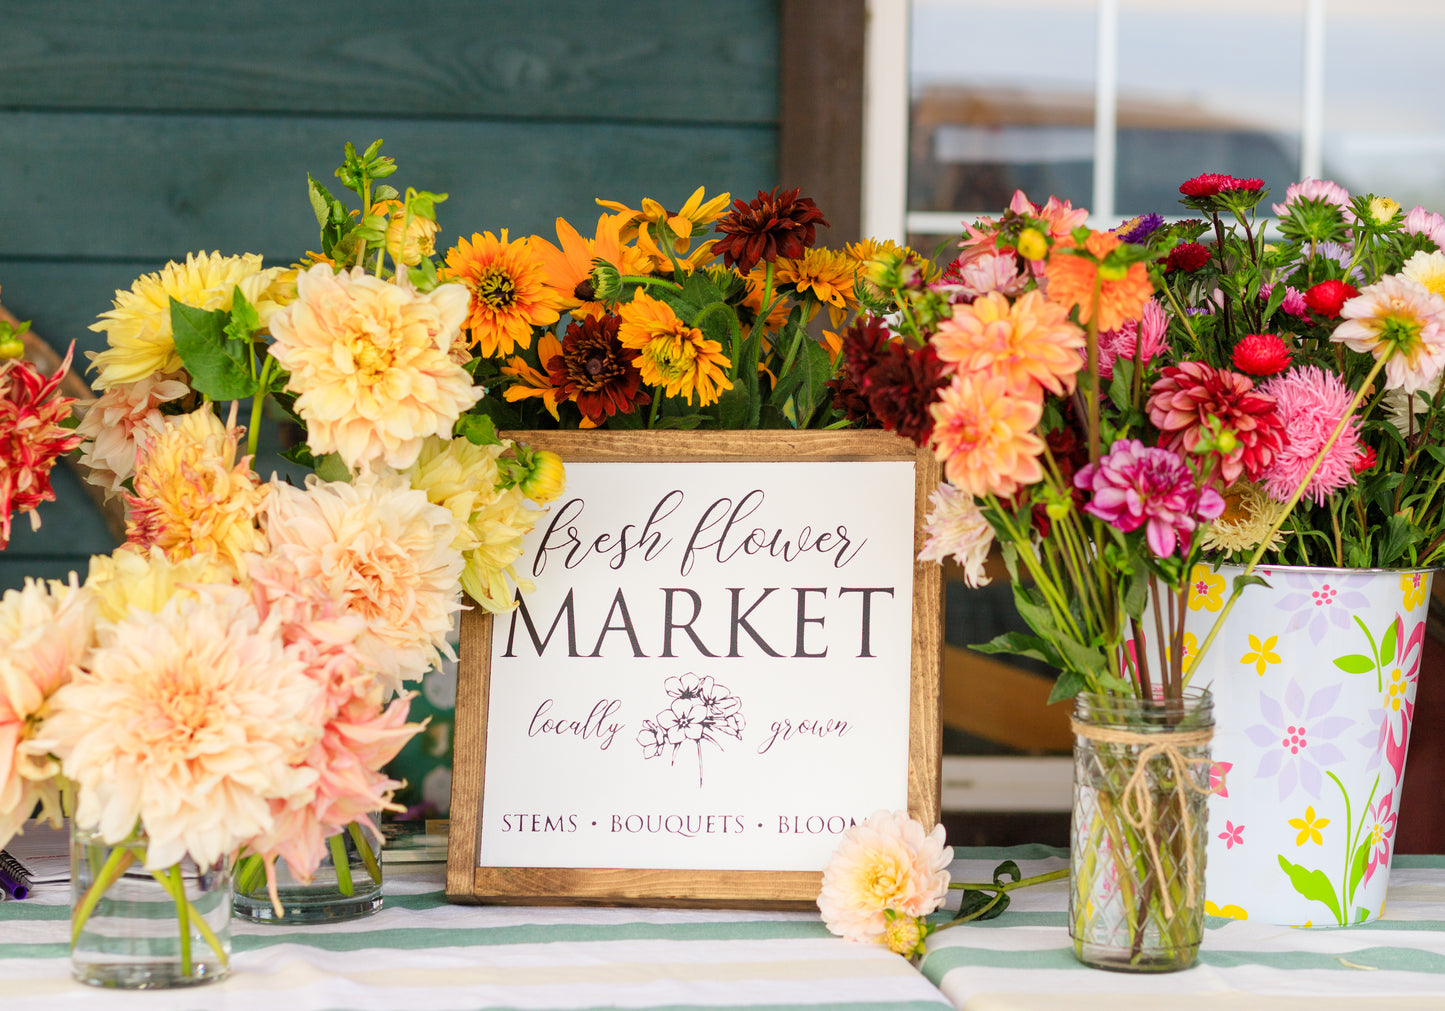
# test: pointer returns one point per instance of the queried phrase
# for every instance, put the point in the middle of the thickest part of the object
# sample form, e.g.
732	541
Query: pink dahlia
1401	318
985	437
1311	402
1137	486
967	279
1190	398
1142	338
31	438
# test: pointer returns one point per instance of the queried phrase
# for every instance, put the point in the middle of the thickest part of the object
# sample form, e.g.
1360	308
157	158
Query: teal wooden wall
133	133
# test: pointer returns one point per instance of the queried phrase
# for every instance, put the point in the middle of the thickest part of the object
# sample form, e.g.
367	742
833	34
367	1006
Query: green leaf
1007	869
816	368
1241	581
478	429
1313	885
1387	644
1021	644
330	468
974	900
699	290
1069	684
244	321
321	200
1355	663
218	366
681	421
732	408
1358	866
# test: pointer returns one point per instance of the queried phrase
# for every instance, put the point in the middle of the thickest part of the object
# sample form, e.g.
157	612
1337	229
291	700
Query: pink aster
1311	402
1422	222
31	438
1403	316
1135	485
1315	189
1136	338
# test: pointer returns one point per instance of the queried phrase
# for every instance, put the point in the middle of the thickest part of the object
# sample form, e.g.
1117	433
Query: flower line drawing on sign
701	709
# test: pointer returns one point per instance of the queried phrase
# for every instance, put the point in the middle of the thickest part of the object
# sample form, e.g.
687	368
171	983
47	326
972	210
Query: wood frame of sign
468	881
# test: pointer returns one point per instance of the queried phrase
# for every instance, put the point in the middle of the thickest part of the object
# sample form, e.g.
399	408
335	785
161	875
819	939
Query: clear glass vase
347	884
138	929
1140	830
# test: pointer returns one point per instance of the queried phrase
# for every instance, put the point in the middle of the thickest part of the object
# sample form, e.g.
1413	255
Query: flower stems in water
364	848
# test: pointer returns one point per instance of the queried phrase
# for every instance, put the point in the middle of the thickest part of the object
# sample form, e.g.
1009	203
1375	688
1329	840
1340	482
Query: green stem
363	846
654	282
258	401
343	866
170	880
250	873
121	857
1000	891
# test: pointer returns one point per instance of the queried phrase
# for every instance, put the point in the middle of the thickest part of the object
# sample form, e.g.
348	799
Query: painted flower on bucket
887	864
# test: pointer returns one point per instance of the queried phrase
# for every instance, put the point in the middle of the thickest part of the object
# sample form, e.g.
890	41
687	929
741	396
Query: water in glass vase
347	884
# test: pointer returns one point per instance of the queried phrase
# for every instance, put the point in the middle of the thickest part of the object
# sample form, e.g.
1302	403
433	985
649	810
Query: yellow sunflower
828	274
510	293
695	213
673	356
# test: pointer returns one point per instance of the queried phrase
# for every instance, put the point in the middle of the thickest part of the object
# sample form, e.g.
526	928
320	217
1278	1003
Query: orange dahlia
1073	273
985	437
510	291
673	356
1030	342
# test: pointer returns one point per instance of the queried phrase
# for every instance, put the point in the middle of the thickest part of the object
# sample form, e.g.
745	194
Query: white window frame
885	213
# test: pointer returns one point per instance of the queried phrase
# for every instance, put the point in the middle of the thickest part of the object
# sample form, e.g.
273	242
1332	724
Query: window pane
1002	99
1220	92
1384	123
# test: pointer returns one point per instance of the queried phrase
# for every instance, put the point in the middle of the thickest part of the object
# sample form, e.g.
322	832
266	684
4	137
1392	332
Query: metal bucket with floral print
1313	680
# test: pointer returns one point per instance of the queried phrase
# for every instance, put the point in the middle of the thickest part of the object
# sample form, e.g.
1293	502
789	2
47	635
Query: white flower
956	527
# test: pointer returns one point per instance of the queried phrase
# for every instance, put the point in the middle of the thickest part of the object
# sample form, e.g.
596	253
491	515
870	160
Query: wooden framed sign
729	655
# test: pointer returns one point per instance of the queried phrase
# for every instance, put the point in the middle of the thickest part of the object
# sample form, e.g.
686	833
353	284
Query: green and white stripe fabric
1023	961
424	954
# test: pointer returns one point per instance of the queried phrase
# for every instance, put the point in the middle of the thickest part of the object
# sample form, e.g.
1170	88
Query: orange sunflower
510	291
1122	290
695	213
569	269
673	356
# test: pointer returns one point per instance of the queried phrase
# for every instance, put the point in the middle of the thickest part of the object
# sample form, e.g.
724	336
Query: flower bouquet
231	680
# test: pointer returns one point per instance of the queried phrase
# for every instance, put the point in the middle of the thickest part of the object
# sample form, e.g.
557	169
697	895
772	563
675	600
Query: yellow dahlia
382	550
372	366
45	634
510	291
491	521
138	328
187	722
192	496
672	356
144	579
827	273
1030	342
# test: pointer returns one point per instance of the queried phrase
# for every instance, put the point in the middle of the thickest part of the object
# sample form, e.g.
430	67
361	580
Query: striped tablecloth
1023	961
422	954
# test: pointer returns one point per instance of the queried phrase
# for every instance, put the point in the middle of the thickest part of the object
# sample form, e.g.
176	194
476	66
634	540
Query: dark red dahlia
596	371
1261	354
1328	297
1190	398
1188	257
771	226
901	385
851	401
863	343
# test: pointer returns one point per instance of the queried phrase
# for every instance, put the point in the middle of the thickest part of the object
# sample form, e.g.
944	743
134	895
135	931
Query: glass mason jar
1140	830
139	929
347	883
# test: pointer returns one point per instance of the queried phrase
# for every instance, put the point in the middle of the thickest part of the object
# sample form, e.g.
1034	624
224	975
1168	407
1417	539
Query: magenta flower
1218	772
1143	338
1135	485
1233	835
1382	834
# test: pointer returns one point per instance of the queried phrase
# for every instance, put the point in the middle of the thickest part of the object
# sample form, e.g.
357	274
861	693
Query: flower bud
1227	442
1032	244
606	281
1383	210
420	238
546	479
904	934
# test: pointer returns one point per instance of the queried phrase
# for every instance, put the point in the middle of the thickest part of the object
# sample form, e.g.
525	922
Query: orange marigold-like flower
510	292
673	356
1073	274
985	437
827	273
1030	342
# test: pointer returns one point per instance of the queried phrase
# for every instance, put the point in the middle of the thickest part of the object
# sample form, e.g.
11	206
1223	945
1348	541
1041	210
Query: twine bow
1138	799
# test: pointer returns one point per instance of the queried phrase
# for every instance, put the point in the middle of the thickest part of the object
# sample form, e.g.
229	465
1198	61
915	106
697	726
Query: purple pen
14	878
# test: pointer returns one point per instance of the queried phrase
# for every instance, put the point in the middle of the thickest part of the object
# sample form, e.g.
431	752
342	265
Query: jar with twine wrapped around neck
1140	830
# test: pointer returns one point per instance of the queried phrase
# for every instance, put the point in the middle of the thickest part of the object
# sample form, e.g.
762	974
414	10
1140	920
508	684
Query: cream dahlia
189	722
113	426
385	552
144	579
956	528
45	634
1401	318
887	863
372	366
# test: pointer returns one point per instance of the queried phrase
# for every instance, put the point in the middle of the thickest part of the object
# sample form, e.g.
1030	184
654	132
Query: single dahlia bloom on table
1135	486
1311	403
32	438
1191	402
371	364
887	864
1401	318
